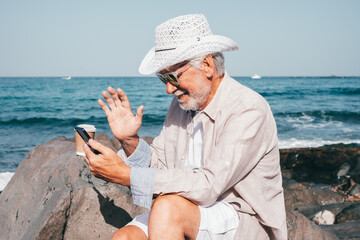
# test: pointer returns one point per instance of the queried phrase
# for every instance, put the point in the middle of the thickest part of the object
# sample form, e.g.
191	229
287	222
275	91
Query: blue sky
110	37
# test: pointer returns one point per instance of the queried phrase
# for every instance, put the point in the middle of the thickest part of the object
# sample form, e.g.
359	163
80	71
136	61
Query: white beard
196	100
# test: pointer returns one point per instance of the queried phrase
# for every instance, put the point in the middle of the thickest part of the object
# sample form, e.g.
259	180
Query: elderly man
213	171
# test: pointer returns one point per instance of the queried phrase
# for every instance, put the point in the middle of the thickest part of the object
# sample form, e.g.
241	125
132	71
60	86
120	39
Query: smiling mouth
179	93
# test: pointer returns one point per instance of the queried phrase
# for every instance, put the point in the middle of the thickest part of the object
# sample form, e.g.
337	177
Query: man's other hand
107	165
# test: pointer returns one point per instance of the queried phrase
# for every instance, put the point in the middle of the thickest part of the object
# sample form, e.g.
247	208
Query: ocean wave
345	91
153	119
310	116
276	93
50	121
316	142
148	119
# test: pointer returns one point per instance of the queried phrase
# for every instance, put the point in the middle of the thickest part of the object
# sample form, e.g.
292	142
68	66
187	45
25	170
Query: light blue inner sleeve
142	185
141	157
142	177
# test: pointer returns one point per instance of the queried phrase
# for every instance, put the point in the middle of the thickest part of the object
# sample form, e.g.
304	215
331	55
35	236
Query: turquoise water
309	111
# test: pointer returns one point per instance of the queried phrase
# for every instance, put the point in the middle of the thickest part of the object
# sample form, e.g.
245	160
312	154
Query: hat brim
191	49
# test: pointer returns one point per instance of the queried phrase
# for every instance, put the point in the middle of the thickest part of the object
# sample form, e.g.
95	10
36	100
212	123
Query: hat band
162	50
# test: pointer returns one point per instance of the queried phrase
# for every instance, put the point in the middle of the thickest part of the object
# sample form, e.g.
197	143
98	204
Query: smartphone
85	136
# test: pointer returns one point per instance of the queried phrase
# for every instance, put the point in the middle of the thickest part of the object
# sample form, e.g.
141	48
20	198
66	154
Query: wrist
129	140
129	144
126	176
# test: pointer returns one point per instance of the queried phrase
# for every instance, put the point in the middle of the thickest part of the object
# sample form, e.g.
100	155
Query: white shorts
218	221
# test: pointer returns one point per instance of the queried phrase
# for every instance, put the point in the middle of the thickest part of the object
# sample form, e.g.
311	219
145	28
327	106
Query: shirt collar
220	96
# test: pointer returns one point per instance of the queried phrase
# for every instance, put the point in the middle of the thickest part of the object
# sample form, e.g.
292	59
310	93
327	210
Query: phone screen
83	134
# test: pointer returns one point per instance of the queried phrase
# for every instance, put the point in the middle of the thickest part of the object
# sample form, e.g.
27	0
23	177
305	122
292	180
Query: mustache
178	92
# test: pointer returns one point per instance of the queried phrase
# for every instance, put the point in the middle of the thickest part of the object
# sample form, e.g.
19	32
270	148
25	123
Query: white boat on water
66	78
255	76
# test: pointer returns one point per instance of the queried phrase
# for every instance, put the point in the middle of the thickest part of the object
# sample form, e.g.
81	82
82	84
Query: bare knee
129	232
167	209
165	205
170	214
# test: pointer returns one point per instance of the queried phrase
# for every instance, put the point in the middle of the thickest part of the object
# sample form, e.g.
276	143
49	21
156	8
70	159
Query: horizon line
142	76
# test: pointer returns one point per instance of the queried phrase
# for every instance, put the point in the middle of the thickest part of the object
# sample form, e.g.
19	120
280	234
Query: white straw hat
183	38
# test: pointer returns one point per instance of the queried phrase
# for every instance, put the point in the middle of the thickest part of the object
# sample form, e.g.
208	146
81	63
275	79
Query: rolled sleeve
141	157
142	185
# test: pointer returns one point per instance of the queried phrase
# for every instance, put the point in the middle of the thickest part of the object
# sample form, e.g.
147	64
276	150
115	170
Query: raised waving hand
123	123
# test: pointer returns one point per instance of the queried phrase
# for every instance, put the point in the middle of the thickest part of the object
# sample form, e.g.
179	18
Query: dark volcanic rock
349	214
52	195
351	169
318	165
348	231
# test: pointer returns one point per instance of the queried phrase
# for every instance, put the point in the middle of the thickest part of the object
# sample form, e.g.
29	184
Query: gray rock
335	208
355	190
297	195
347	218
349	214
348	231
52	195
300	228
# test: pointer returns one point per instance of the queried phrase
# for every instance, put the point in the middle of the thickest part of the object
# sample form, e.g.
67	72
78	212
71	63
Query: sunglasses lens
161	77
172	78
168	78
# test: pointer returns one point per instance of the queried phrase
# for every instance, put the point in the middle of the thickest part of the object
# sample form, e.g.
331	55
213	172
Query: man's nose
170	88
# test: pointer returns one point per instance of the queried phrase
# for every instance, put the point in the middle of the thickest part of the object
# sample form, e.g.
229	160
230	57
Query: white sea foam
4	179
310	126
299	143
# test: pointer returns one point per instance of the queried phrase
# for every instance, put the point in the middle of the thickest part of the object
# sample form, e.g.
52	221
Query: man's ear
209	66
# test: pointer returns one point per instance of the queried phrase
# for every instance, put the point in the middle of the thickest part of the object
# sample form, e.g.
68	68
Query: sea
309	111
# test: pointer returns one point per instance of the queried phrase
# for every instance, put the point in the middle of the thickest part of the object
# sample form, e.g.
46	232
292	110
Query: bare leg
129	232
173	217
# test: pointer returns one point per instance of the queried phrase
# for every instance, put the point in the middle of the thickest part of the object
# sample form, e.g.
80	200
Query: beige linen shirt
241	159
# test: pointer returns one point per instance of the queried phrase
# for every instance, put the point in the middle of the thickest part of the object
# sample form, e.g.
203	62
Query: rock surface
297	194
318	165
349	231
53	196
300	228
323	185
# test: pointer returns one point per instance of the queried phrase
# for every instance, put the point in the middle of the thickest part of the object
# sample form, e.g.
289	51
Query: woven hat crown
176	31
183	38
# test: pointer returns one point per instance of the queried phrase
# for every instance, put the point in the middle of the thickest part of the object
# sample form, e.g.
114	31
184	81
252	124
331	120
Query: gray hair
218	61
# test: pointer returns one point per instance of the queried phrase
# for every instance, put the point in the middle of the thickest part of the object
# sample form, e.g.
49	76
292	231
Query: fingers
96	146
104	107
118	98
115	96
139	113
87	161
108	99
89	154
123	98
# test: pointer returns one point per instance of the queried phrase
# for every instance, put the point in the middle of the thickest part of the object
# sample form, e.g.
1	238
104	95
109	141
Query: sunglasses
172	77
